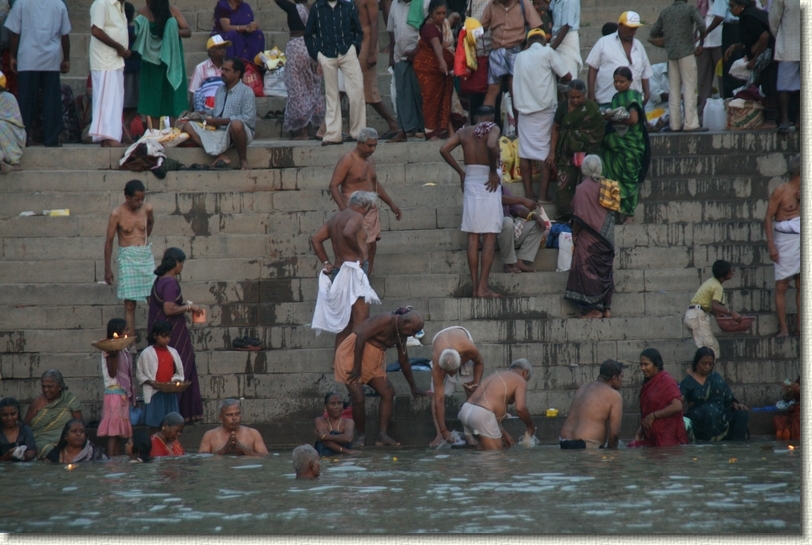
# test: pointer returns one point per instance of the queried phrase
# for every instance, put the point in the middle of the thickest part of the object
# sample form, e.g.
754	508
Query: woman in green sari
50	411
626	152
578	127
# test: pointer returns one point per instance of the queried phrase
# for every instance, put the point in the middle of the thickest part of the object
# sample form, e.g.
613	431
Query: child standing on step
117	373
710	299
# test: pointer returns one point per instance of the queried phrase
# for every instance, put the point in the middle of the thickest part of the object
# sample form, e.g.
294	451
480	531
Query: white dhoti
465	373
481	209
787	239
534	134
570	51
217	142
336	298
108	104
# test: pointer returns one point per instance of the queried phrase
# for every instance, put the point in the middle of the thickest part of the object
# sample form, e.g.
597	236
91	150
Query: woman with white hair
590	284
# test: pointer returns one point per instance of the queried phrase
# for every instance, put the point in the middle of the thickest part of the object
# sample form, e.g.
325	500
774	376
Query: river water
752	487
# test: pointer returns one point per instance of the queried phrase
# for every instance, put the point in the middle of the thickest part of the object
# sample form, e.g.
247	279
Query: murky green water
720	488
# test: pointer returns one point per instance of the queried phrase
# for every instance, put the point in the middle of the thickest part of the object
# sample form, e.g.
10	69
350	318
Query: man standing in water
596	411
482	202
343	300
361	358
231	438
784	242
484	411
132	221
355	171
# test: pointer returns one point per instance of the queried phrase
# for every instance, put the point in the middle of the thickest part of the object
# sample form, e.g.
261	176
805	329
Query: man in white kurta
535	97
108	48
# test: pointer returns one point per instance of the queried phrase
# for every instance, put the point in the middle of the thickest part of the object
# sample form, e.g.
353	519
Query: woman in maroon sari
590	284
166	303
661	423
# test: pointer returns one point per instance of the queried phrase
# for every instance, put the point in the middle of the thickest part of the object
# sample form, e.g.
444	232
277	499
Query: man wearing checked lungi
132	221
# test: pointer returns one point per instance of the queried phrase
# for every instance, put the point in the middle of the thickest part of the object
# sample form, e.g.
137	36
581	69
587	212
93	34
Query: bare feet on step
594	313
384	440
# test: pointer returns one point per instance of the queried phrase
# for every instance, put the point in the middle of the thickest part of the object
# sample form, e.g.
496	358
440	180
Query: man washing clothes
344	291
132	221
482	202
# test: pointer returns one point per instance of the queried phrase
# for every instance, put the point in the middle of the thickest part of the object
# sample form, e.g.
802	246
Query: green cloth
579	130
163	71
416	16
47	424
624	149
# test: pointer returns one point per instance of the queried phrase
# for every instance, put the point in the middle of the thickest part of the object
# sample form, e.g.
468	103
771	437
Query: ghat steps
249	261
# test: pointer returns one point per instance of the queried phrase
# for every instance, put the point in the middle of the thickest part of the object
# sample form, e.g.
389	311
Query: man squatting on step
455	359
482	200
484	411
132	221
344	291
361	359
596	411
355	171
784	242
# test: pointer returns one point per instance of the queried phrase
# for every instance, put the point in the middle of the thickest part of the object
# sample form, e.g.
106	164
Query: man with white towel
344	291
783	228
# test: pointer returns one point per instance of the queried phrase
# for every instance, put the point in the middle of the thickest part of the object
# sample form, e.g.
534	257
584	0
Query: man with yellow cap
207	77
611	52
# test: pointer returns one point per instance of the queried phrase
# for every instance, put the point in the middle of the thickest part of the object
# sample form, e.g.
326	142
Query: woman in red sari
661	423
433	65
166	441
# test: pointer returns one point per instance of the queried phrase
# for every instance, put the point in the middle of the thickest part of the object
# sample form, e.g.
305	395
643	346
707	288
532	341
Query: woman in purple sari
590	284
234	21
166	303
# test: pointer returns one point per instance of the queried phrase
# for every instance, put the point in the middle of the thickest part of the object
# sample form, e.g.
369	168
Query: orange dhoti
371	364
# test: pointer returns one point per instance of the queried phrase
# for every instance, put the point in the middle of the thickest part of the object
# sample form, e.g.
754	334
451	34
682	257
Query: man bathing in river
455	359
484	411
482	200
306	462
361	359
355	171
132	222
344	291
596	412
231	438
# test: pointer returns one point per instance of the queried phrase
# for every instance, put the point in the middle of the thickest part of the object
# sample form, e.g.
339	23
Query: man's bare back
348	237
455	339
498	391
595	405
475	150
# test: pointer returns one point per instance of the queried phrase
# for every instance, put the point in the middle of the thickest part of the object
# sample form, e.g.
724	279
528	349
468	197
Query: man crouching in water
484	411
596	411
231	438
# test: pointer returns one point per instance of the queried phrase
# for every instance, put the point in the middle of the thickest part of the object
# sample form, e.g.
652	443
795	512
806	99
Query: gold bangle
530	215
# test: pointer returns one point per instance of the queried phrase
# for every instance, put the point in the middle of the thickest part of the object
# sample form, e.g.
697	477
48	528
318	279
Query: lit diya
115	344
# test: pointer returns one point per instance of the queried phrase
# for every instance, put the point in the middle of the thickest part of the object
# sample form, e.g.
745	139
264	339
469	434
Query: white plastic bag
274	83
508	121
393	91
565	249
739	69
714	116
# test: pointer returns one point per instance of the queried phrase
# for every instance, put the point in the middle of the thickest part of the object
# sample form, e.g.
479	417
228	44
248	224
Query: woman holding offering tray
158	365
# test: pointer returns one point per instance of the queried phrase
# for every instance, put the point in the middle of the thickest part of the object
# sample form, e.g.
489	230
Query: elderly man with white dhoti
535	96
566	22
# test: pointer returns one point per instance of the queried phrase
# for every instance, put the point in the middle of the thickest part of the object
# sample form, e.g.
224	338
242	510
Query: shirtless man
784	242
484	411
306	462
368	58
596	411
132	221
482	202
231	438
355	171
454	359
346	233
361	359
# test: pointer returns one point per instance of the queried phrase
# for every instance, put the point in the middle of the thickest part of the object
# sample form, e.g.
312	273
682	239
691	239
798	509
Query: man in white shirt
39	36
706	62
403	40
565	40
618	49
535	98
208	75
785	25
108	48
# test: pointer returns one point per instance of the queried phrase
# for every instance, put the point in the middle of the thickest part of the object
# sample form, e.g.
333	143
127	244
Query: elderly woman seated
234	21
74	446
16	440
166	441
714	412
50	410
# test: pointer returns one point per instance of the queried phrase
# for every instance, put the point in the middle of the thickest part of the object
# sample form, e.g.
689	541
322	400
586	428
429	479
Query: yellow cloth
708	292
471	34
609	195
509	157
